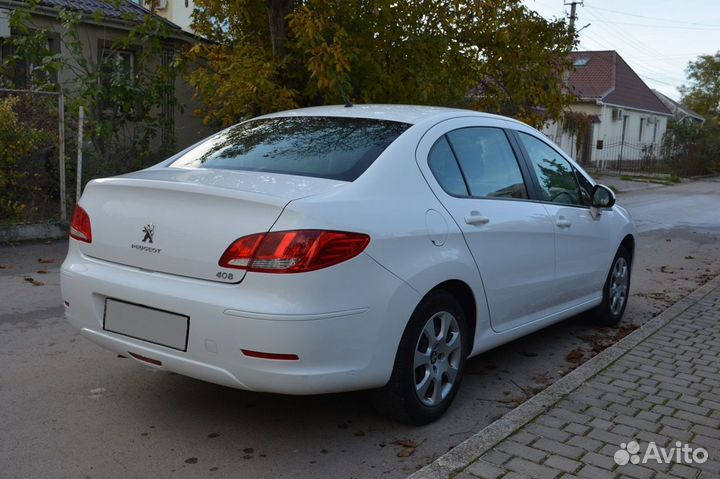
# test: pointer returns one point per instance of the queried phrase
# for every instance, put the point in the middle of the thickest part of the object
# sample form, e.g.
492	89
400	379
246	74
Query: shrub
18	141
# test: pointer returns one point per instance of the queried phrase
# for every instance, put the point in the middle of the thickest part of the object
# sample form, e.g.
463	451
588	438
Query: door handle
563	223
475	218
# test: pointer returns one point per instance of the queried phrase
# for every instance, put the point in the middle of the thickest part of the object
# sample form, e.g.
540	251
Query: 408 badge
224	275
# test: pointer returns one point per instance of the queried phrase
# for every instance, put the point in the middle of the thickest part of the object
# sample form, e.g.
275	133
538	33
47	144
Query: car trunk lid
180	222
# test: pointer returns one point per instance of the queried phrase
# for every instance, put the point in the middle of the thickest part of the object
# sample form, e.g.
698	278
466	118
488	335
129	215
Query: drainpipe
602	122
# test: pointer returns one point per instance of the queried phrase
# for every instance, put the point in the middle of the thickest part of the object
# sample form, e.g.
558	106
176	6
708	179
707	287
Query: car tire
616	290
429	363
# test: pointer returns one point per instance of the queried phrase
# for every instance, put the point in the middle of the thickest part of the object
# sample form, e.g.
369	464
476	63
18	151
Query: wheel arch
628	242
465	296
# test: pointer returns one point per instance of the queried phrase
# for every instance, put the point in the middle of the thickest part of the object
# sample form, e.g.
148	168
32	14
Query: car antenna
344	96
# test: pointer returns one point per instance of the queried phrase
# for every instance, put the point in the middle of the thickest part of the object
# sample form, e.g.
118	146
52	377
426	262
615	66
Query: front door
582	245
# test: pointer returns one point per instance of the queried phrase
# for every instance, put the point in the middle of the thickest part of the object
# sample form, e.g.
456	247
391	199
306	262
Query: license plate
147	324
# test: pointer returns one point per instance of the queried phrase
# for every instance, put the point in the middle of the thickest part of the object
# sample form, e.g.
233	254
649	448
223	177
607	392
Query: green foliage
492	55
703	92
692	149
18	140
577	124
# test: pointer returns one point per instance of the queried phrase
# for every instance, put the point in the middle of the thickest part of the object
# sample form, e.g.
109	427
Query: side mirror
602	197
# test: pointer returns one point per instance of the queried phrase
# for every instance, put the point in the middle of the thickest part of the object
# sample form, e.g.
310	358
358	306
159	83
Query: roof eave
120	23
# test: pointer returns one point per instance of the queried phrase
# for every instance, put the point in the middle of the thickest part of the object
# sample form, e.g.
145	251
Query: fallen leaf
359	433
406	452
46	260
41	271
518	400
575	356
33	281
543	378
406	443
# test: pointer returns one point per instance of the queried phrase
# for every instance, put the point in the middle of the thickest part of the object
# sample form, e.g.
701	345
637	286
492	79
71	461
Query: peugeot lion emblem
149	231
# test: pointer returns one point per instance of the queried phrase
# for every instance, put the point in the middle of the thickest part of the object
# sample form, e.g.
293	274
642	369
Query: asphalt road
70	408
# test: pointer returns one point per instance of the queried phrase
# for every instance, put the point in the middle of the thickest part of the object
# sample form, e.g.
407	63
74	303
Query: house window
655	131
581	62
23	72
117	65
642	120
117	68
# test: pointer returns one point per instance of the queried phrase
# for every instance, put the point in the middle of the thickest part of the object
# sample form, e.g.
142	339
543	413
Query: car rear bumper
344	323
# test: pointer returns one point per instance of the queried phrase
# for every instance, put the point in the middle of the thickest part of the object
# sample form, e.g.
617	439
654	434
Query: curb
476	445
30	232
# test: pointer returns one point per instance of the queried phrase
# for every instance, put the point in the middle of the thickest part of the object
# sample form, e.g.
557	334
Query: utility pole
573	14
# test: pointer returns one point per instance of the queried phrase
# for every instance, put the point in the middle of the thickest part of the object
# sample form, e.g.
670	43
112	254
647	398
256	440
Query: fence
33	166
621	156
629	157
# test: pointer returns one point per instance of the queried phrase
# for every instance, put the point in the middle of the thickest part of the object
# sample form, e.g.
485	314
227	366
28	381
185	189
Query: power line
652	18
668	27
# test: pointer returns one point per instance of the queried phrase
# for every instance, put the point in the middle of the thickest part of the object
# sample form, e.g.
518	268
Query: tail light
80	226
293	251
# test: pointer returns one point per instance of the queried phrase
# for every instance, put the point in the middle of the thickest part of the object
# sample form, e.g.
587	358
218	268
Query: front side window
322	147
488	163
555	174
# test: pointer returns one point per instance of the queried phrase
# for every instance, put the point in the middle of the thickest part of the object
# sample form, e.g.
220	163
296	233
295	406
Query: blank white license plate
145	323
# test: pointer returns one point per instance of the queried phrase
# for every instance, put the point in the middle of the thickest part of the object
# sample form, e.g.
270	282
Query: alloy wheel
619	280
437	358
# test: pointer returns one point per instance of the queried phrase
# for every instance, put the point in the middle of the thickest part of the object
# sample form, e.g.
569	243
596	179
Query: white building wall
177	11
635	145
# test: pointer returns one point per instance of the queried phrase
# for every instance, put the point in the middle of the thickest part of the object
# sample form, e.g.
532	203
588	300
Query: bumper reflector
146	359
275	356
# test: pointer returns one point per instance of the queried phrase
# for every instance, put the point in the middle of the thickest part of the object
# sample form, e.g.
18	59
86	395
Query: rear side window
322	147
488	163
444	166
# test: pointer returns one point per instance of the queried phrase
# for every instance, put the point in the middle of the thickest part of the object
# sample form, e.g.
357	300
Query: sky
657	38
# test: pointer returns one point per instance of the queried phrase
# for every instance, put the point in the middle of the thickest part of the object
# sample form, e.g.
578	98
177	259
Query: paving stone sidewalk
660	384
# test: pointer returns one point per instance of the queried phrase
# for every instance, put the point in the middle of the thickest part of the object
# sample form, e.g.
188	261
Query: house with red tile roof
628	119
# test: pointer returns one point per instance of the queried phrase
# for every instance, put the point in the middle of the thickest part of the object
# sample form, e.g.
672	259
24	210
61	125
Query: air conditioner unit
159	4
617	114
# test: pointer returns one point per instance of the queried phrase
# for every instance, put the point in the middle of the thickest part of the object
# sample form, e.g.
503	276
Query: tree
492	55
702	94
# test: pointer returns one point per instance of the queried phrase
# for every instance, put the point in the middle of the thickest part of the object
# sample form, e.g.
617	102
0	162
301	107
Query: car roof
411	114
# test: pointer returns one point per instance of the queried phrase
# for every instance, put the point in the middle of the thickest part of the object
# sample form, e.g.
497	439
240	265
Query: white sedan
341	248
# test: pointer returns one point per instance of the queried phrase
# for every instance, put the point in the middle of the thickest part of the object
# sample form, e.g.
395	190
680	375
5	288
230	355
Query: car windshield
323	147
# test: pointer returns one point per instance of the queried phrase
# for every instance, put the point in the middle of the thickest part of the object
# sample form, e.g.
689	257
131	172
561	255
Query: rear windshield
322	147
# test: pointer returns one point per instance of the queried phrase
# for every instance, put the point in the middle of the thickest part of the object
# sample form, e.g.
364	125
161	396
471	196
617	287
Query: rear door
582	242
473	169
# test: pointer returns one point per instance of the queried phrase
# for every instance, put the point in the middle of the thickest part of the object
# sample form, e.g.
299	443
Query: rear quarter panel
390	202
